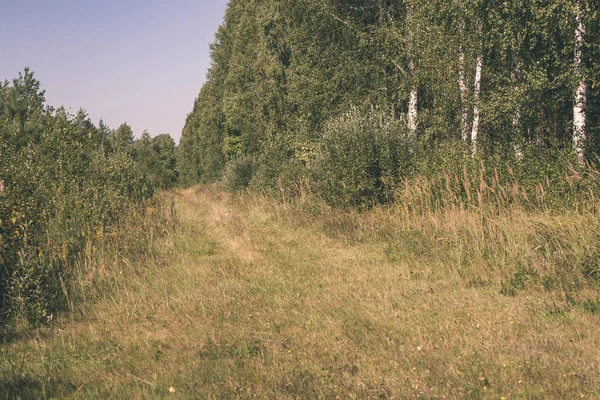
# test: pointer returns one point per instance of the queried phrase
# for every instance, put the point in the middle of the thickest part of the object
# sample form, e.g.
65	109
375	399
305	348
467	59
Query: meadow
252	297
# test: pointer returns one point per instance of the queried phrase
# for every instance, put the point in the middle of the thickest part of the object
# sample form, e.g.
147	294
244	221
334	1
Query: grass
250	297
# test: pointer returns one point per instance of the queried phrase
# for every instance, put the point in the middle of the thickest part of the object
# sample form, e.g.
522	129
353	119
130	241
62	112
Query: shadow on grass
27	387
9	335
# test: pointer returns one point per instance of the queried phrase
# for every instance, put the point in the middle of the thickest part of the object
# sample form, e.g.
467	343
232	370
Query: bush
281	167
361	158
59	184
238	173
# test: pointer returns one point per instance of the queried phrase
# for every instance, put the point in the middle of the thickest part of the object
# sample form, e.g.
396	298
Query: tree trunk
476	94
579	131
412	104
414	94
464	112
516	120
518	143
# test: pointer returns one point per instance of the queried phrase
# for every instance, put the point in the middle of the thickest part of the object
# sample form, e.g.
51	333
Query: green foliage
61	181
200	155
361	158
238	174
286	75
155	161
281	168
122	139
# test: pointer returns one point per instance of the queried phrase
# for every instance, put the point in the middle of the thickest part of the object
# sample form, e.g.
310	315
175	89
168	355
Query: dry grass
253	298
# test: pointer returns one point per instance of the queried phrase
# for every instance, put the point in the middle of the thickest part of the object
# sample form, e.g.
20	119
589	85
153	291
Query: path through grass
247	301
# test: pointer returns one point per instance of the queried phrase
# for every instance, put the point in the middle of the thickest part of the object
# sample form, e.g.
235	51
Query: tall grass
108	252
574	190
72	265
255	297
504	229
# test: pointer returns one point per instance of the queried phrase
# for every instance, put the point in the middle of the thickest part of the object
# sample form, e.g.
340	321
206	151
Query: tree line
500	80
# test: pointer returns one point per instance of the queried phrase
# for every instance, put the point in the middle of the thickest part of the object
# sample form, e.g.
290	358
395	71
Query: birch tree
413	100
579	112
493	74
462	85
476	100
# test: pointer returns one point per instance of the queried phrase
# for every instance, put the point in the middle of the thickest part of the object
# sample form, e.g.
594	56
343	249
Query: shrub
238	173
59	184
281	167
361	157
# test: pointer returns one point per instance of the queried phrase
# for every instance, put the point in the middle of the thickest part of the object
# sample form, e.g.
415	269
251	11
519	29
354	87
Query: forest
353	97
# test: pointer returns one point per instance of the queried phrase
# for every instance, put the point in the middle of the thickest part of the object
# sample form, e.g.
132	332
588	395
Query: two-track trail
253	299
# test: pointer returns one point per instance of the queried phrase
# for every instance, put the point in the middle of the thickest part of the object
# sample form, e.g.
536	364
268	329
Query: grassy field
255	298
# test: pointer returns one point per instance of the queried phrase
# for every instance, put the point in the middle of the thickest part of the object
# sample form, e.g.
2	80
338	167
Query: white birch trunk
476	95
518	145
412	104
579	131
464	112
414	94
516	120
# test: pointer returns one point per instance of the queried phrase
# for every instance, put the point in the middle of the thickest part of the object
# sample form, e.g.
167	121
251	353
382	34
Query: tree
580	100
496	76
23	108
122	138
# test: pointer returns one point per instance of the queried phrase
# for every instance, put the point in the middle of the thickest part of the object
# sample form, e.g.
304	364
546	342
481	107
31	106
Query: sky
137	61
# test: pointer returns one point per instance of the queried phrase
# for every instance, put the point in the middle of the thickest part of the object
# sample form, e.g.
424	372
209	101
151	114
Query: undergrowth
485	225
84	275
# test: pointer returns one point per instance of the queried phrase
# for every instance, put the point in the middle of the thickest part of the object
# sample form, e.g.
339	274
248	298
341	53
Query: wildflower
172	389
1	186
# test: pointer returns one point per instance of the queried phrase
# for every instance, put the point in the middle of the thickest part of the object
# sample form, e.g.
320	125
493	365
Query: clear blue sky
137	61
